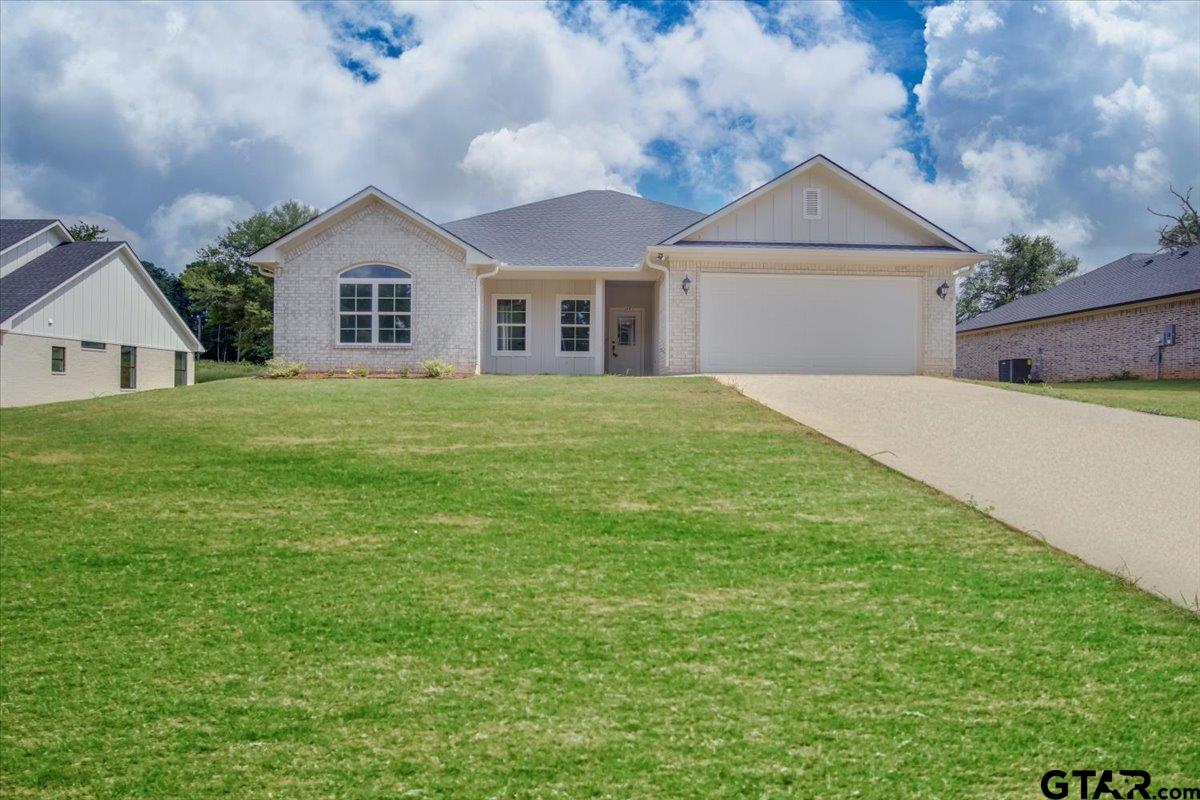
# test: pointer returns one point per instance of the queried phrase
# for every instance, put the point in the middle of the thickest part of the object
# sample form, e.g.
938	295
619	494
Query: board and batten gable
113	301
848	215
443	293
22	253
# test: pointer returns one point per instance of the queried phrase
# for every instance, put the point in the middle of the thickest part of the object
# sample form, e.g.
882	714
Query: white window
512	324
812	203
574	325
375	306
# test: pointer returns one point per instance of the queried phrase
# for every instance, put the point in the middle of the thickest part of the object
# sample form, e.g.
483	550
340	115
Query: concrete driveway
1119	489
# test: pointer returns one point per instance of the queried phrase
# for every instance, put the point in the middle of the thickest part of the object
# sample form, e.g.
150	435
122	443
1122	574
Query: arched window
375	305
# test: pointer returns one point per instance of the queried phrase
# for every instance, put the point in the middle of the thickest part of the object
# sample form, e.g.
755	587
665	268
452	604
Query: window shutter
812	203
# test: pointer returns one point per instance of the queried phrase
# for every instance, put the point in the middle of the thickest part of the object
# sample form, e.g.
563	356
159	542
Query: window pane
355	328
395	329
58	359
128	367
181	369
626	331
375	271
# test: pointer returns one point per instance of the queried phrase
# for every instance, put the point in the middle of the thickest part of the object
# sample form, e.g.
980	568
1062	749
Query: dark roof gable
31	282
1134	278
16	230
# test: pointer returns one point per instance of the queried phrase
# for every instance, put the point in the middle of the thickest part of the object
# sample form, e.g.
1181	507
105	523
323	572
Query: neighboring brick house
1102	323
814	271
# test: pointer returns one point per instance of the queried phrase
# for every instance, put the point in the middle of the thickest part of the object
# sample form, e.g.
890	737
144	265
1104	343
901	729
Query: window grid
180	369
58	359
512	321
574	325
375	306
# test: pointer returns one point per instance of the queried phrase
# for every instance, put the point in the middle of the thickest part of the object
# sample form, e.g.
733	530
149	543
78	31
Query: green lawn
1172	398
207	370
540	587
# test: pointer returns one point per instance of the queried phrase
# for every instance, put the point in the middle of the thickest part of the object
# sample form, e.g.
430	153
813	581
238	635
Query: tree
1183	230
87	232
234	299
1023	265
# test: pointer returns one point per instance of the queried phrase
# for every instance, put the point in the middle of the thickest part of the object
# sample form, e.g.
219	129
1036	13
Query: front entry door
625	341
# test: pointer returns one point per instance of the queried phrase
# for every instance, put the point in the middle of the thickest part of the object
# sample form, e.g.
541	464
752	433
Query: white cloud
1147	173
193	220
974	75
1129	100
542	160
976	16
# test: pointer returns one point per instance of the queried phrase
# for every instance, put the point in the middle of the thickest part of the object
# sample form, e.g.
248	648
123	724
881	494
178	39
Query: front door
625	341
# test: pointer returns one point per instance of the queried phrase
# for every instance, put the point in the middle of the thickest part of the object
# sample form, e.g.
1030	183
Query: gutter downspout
479	316
666	288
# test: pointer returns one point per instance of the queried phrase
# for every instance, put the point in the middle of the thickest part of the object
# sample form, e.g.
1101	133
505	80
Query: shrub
280	367
436	368
405	372
358	371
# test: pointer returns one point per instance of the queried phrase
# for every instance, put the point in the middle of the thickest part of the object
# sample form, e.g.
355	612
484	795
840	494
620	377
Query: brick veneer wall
444	302
1094	345
937	315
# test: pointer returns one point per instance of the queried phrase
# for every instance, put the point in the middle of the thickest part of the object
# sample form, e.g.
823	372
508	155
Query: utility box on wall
1015	370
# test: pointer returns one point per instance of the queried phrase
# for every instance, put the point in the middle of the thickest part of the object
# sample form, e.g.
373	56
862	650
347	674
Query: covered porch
570	322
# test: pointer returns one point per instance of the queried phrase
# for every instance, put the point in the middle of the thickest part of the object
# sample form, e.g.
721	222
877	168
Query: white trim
267	258
374	313
955	259
528	326
799	170
558	326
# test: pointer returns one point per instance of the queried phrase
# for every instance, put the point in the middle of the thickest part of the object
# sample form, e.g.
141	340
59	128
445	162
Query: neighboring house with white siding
815	271
82	319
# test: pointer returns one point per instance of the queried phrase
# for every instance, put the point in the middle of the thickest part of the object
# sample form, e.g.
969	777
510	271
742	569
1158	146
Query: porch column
599	340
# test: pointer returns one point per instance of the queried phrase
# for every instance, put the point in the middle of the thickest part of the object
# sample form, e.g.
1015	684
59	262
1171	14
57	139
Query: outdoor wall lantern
687	284
943	290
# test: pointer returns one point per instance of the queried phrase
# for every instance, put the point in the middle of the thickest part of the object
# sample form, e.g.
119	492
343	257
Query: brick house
814	271
1096	325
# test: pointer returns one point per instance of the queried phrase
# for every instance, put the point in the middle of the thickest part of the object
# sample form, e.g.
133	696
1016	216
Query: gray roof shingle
1130	279
30	282
14	230
596	228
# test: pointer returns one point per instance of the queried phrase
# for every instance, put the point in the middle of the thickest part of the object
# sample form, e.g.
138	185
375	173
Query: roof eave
955	259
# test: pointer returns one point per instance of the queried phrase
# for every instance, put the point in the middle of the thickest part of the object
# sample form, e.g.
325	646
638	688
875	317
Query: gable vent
812	203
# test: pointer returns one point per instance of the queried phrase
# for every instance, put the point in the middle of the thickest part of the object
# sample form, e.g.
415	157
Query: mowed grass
540	587
208	370
1174	398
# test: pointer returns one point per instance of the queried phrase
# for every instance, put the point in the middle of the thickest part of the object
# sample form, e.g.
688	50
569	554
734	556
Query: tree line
229	304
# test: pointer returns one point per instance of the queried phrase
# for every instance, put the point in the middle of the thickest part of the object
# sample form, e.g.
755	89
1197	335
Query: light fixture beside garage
687	284
943	290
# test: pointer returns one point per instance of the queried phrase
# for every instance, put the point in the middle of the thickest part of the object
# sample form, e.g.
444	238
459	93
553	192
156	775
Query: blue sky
164	122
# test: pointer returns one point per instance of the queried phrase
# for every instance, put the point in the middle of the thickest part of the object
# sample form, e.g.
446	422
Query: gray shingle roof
1130	279
927	248
587	229
14	230
30	282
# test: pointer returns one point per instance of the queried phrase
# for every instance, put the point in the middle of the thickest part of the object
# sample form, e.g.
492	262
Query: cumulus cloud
189	222
1146	174
542	160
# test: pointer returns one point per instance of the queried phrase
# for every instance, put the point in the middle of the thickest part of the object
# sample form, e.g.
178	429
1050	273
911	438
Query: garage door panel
808	323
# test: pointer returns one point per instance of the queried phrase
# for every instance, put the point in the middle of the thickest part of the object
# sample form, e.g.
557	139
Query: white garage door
808	323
